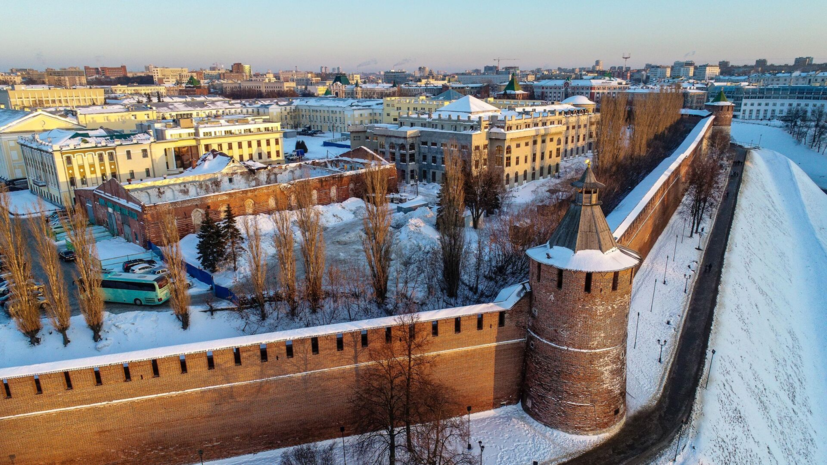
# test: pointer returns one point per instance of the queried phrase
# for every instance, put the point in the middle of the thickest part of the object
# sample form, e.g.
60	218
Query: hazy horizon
374	36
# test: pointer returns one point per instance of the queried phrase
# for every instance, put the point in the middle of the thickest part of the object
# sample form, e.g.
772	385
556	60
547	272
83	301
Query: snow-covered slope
766	400
775	138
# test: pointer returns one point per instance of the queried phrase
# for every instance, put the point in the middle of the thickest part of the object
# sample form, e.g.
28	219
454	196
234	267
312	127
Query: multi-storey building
659	73
775	102
527	143
131	89
30	97
242	138
60	160
240	68
120	117
161	75
796	78
707	72
104	71
66	77
16	123
593	89
264	87
335	114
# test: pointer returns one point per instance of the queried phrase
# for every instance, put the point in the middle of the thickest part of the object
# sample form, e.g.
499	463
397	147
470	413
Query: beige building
137	89
261	86
58	161
66	77
243	138
527	143
162	75
120	117
335	114
30	97
16	123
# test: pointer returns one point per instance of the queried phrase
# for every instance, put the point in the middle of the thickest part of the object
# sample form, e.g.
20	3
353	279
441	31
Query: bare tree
378	240
702	182
309	221
284	241
451	223
610	141
258	264
441	435
57	296
309	454
484	191
179	296
23	305
89	271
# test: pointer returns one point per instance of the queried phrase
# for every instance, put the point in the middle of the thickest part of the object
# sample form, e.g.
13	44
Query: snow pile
336	213
117	247
538	192
765	401
774	138
24	203
417	236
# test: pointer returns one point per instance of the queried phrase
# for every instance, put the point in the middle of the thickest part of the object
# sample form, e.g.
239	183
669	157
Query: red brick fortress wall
237	408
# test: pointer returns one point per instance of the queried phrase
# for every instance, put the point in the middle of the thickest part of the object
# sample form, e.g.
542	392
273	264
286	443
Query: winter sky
453	36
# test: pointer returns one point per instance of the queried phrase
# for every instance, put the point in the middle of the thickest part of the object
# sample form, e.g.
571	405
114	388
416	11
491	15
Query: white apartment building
556	90
335	114
659	73
707	72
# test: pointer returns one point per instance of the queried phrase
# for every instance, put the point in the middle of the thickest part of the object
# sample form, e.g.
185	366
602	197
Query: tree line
809	129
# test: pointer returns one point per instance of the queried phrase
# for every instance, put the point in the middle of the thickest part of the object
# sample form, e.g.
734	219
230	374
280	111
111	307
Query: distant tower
722	109
626	57
581	282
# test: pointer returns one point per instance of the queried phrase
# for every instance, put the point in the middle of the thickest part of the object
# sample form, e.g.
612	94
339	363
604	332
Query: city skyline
337	36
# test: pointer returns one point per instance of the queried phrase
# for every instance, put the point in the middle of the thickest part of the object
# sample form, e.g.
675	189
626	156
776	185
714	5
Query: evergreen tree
301	145
232	238
210	244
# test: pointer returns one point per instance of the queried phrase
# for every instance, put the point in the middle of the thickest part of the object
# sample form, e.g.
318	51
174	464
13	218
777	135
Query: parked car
66	255
127	265
158	270
140	268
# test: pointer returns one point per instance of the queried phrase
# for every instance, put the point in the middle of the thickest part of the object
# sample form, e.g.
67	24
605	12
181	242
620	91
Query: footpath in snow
762	399
775	138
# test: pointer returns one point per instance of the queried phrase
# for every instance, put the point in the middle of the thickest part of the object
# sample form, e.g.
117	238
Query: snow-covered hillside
775	138
766	401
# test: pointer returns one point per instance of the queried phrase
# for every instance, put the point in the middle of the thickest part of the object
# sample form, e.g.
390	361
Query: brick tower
722	109
581	282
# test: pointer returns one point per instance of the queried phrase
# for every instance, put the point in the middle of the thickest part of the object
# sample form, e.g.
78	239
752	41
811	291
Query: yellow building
16	123
121	117
394	107
60	160
30	97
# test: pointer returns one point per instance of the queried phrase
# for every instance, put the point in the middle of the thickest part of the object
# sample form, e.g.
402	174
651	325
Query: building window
210	361
147	172
131	174
588	283
37	387
183	364
615	277
68	161
388	335
262	349
314	345
129	155
559	279
434	328
98	380
501	319
364	338
155	372
127	376
100	158
458	325
479	322
7	389
237	355
340	343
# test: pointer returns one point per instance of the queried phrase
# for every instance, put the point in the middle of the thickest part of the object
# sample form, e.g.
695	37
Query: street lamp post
469	426
636	326
686	285
482	448
201	455
655	286
661	344
675	252
344	453
699	242
664	269
709	375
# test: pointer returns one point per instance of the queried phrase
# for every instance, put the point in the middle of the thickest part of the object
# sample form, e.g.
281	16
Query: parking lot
199	294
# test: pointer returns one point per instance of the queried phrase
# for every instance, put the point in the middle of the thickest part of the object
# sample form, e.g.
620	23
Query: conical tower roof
584	226
513	85
720	97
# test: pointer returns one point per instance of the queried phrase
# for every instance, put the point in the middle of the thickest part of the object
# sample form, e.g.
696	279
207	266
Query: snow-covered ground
658	309
25	203
775	138
315	149
765	401
539	191
122	332
508	434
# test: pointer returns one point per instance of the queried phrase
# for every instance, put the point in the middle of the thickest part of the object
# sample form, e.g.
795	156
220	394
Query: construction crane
626	57
498	60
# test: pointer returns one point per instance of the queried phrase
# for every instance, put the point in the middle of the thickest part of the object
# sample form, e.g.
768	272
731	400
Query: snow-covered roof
506	299
578	100
10	118
468	105
616	259
70	138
